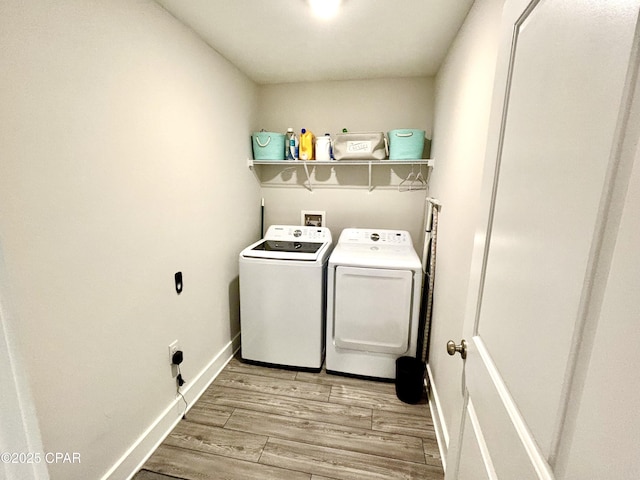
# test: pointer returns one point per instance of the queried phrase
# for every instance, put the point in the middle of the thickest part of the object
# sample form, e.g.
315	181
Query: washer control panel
301	233
375	237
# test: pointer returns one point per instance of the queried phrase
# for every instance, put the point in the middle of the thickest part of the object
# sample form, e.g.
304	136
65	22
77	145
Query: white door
563	81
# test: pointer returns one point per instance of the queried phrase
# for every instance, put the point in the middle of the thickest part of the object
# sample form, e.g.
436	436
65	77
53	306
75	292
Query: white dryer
283	297
373	302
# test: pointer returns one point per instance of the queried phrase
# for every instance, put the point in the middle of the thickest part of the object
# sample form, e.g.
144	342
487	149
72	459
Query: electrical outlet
173	348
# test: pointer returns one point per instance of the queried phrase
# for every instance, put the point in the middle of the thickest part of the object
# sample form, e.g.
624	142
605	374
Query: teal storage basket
406	144
268	146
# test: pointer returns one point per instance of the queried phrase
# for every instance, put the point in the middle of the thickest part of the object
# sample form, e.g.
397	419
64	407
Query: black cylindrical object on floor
409	379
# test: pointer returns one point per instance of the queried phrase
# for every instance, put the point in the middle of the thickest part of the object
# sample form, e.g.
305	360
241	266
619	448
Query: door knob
452	348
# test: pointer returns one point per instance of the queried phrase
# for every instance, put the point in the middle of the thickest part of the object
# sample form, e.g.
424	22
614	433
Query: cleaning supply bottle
291	145
323	148
307	141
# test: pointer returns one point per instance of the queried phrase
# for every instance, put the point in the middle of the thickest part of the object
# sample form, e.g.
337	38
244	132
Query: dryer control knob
375	237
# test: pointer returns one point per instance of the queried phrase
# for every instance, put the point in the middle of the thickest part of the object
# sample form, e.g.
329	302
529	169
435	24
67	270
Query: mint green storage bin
406	144
268	146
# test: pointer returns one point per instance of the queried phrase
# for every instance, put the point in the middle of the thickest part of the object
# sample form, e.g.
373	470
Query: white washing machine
283	297
373	302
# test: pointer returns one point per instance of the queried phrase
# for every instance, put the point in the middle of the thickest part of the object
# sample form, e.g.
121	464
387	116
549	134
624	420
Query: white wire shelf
307	164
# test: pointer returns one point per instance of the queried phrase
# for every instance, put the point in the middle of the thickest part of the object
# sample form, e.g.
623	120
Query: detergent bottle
291	145
307	141
323	148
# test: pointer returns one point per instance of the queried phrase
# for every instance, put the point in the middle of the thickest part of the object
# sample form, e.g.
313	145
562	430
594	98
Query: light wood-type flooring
257	423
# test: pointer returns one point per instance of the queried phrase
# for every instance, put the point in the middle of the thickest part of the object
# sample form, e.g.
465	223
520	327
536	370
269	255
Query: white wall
360	106
123	141
19	431
463	96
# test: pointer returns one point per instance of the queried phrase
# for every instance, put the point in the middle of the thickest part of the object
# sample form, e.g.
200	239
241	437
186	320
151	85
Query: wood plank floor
256	423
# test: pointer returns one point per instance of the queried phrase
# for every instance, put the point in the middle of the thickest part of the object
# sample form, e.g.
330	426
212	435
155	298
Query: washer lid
291	242
288	246
285	250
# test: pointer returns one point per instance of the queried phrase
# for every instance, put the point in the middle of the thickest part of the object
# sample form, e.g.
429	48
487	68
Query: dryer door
372	309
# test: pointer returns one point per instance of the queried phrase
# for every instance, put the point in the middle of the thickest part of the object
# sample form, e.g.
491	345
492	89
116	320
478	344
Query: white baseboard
135	457
440	426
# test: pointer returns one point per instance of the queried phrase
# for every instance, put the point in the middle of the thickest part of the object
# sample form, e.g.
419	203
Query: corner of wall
140	451
464	88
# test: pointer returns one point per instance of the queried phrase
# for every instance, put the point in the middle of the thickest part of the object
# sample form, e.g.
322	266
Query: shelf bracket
253	170
370	183
309	186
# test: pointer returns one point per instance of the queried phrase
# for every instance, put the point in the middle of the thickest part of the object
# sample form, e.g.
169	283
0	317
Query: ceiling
280	41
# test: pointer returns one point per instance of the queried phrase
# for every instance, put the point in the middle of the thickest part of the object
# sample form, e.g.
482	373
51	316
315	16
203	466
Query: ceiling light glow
325	8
